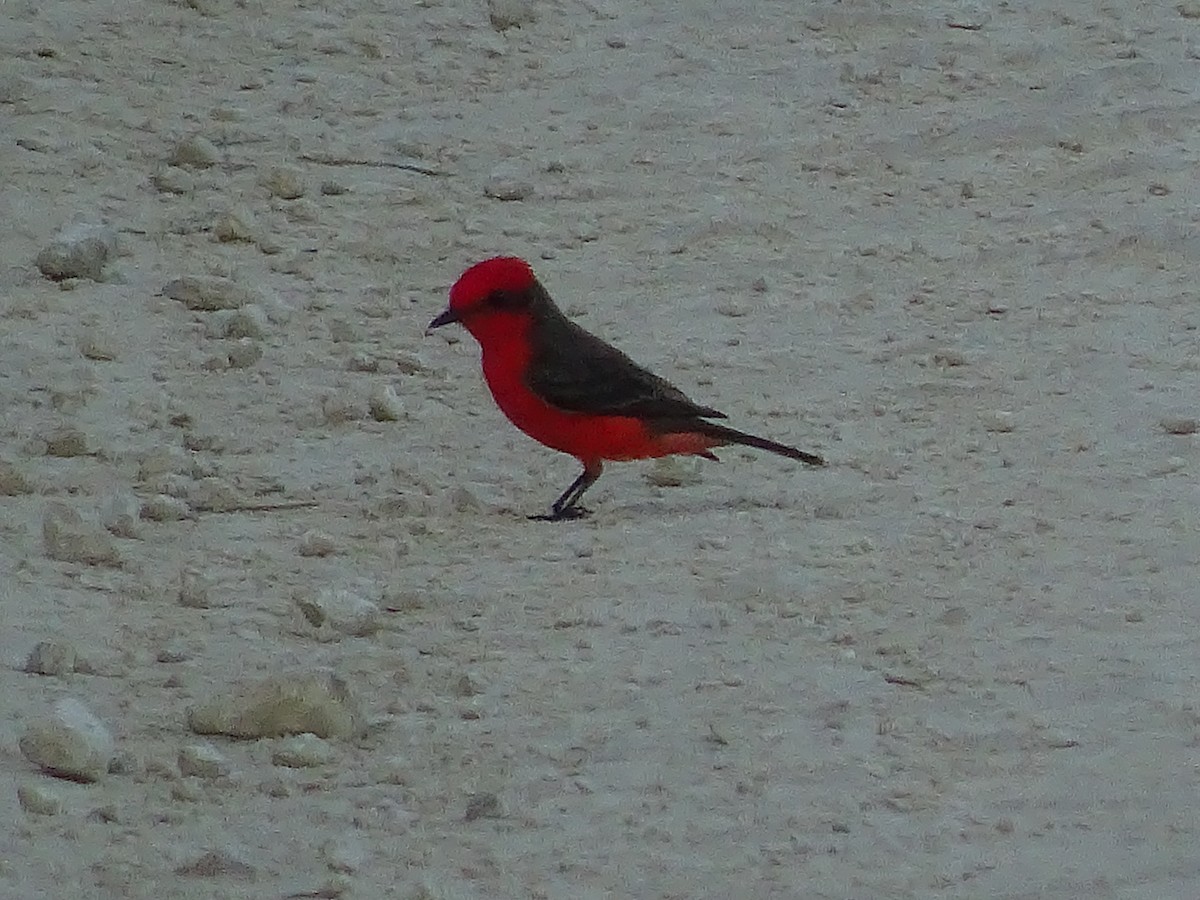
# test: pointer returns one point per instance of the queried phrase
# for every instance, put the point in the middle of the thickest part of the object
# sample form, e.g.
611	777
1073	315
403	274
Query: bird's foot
563	515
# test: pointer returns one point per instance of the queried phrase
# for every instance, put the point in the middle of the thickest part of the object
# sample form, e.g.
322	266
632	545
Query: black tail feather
733	436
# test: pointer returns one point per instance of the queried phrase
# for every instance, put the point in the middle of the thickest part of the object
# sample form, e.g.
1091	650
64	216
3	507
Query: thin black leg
567	505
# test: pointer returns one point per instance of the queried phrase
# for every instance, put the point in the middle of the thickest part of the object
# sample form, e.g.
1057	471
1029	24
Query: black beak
445	318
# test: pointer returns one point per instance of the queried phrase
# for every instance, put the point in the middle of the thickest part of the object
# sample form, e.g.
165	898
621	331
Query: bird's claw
565	514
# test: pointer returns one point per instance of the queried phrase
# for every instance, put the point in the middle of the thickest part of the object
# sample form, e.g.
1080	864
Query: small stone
488	44
284	183
396	769
173	180
342	332
195	152
466	685
949	358
302	751
79	251
208	293
124	762
175	651
504	184
248	322
96	346
120	513
38	800
187	792
505	14
338	409
295	703
732	308
164	508
51	658
999	421
463	501
13	482
217	864
213	494
68	538
483	806
669	471
106	814
343	610
13	88
362	361
317	543
165	460
194	590
203	442
384	405
244	353
304	212
344	853
1179	425
69	743
235	225
66	443
202	761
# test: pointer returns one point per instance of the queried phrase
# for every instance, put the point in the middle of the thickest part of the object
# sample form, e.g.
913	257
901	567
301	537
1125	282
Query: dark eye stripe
507	299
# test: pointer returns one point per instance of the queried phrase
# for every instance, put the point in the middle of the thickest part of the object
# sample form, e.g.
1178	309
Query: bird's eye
501	299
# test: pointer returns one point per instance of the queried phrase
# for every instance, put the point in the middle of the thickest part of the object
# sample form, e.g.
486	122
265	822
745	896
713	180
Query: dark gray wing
578	372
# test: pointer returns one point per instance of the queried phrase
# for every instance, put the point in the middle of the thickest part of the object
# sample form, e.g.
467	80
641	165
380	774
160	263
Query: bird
572	391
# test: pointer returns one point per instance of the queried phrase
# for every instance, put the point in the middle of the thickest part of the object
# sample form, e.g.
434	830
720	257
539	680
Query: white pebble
52	658
1179	425
293	703
38	800
248	322
344	853
343	610
235	225
202	761
194	590
384	405
69	743
243	353
209	293
79	251
66	443
671	472
302	751
96	346
195	152
317	543
68	538
507	184
163	508
1000	421
120	514
13	482
173	180
505	14
284	183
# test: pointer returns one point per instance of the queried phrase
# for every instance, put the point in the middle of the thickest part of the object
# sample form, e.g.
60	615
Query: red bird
573	392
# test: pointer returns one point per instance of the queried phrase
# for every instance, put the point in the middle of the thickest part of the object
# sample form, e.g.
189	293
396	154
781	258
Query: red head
492	299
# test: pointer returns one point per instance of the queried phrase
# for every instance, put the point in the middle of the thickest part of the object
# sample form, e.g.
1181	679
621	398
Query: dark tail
733	436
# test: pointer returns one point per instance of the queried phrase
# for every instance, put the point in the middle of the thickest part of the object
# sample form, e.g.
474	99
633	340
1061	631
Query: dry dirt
950	246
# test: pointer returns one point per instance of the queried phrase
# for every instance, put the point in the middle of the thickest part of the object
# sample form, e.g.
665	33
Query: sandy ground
950	247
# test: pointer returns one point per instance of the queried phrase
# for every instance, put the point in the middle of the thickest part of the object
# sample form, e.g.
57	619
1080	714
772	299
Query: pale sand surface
960	662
